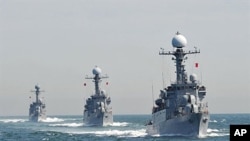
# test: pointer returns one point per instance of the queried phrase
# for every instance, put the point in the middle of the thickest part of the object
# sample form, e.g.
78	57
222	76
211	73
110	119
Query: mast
37	92
97	79
178	42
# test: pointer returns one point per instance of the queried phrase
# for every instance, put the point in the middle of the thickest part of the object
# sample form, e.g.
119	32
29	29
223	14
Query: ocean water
125	127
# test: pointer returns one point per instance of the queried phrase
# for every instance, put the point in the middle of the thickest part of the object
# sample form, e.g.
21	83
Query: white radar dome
179	41
96	71
193	77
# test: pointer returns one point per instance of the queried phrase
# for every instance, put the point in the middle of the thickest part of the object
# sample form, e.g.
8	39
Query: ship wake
48	119
117	133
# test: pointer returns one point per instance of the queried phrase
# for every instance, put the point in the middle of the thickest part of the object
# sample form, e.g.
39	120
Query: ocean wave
67	125
213	121
12	120
172	135
120	124
52	120
216	132
118	133
223	120
209	130
126	133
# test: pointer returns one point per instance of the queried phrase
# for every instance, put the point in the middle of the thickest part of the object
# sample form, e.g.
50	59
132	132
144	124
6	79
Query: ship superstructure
98	110
180	109
37	110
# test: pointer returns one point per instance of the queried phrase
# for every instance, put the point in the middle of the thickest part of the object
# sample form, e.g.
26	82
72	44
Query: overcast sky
56	43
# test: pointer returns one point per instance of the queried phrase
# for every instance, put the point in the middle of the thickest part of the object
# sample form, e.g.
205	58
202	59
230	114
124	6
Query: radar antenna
37	92
178	42
97	79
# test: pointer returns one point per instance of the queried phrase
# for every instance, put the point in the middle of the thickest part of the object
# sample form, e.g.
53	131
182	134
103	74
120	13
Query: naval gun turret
180	109
37	111
98	110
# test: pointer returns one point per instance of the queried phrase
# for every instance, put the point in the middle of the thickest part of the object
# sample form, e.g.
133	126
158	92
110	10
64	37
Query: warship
180	109
37	111
98	110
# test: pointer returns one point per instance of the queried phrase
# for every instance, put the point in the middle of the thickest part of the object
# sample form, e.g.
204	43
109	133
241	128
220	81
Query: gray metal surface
98	110
180	109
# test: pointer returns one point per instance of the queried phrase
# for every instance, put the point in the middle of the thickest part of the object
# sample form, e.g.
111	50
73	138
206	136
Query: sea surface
125	127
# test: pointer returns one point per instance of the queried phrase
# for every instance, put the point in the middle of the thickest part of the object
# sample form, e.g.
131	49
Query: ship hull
37	118
101	119
37	113
194	124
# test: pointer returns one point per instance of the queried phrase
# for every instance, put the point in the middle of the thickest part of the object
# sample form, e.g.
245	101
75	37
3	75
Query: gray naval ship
37	111
180	110
98	110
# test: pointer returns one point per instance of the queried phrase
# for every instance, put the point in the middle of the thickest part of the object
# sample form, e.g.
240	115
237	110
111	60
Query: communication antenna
163	80
153	93
201	77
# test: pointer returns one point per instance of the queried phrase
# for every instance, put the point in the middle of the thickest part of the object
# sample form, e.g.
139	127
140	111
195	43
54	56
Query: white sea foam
126	133
119	133
67	125
120	124
48	119
213	121
216	132
171	135
223	120
12	120
210	133
209	130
